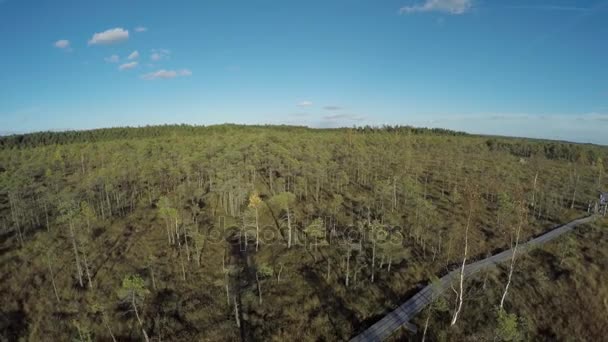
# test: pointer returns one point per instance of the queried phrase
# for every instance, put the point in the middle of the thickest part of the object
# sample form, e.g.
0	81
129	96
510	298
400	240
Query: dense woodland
277	233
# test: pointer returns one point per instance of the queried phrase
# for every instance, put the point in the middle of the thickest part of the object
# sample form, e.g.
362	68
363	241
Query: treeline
116	133
552	150
408	130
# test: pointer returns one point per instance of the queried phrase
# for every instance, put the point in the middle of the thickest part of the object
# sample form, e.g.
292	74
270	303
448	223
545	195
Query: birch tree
262	272
471	194
166	212
315	232
68	217
133	292
392	248
254	203
99	309
377	233
285	201
513	256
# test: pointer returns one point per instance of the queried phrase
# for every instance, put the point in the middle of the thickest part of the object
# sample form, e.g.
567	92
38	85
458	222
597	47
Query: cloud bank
443	6
127	66
110	36
62	44
166	74
133	55
159	54
304	104
345	117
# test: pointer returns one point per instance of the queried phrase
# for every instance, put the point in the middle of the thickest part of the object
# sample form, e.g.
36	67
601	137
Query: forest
280	233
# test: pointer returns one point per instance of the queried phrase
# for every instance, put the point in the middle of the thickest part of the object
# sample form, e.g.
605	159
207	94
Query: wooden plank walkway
401	316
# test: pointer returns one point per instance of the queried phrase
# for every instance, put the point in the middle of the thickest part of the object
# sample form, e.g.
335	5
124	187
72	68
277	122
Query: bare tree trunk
317	189
198	255
394	193
169	236
347	265
504	295
82	163
373	259
236	313
426	326
108	200
464	260
78	269
141	324
46	216
257	230
227	290
279	274
226	279
153	279
86	268
257	278
53	279
574	193
181	259
534	190
187	247
105	322
15	216
179	243
288	228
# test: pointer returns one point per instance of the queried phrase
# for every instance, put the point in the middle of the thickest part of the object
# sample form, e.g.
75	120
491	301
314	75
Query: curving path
406	311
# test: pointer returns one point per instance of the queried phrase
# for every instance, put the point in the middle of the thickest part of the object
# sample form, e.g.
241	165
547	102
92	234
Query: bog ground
247	233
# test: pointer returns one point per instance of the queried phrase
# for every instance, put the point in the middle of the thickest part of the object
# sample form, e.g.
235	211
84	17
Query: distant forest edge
520	147
106	134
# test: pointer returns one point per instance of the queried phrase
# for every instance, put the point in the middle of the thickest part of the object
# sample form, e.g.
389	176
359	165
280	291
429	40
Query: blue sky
527	68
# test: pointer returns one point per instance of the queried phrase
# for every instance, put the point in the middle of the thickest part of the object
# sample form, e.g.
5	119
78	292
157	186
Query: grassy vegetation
264	233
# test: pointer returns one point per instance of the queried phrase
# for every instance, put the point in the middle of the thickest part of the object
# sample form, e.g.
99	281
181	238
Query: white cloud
141	29
445	6
305	104
184	72
110	36
339	120
112	59
348	117
299	115
159	54
551	8
593	117
134	55
166	74
62	44
332	108
127	66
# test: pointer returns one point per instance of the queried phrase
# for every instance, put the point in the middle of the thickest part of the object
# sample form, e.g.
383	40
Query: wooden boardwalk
401	316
